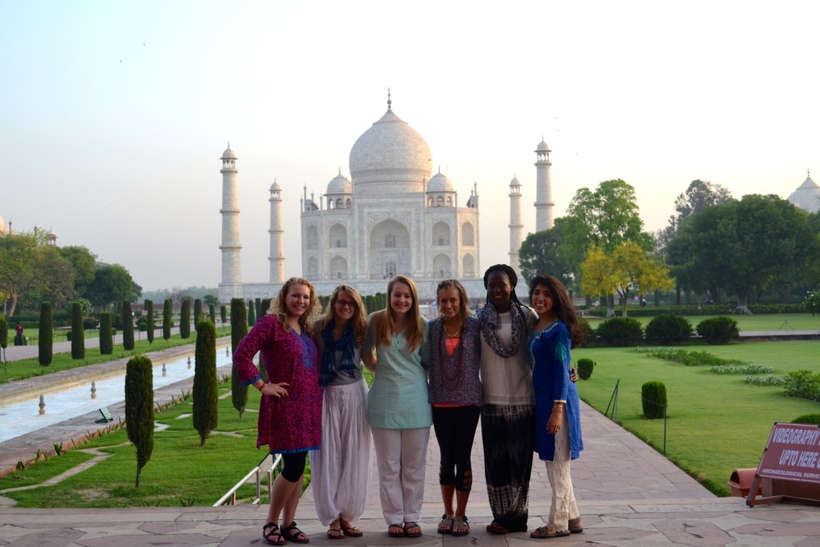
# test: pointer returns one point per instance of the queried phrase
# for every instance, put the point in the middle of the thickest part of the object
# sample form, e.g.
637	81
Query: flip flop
352	531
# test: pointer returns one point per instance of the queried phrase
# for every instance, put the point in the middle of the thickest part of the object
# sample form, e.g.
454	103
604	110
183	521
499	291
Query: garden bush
206	395
804	384
149	319
668	330
619	331
718	330
185	319
239	328
106	334
653	396
811	419
589	333
127	326
4	332
167	310
44	342
585	367
77	332
139	408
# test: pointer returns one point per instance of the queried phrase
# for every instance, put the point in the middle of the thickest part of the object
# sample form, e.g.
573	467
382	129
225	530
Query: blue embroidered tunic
549	353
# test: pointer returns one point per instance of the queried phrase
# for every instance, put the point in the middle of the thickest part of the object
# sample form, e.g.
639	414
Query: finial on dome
389	102
229	144
808	172
340	171
439	169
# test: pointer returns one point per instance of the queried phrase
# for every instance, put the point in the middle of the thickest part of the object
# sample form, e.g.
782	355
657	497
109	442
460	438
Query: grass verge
716	423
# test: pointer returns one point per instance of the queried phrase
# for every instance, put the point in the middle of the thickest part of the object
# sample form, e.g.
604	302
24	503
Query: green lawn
19	370
716	422
774	321
180	472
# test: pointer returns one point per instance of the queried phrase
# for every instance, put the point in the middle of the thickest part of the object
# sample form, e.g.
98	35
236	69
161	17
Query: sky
113	115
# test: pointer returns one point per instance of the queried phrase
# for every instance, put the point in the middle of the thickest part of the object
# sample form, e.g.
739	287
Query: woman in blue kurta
557	412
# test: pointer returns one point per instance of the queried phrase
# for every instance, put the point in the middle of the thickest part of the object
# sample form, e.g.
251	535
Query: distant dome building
807	195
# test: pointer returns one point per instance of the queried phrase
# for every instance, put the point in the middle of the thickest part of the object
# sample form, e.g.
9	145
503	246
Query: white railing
230	496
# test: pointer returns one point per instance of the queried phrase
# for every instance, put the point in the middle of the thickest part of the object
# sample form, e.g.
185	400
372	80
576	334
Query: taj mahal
392	216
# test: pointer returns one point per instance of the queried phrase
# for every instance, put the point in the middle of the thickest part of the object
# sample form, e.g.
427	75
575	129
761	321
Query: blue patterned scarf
345	343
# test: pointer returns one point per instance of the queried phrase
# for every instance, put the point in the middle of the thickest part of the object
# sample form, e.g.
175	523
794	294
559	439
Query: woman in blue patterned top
455	394
557	407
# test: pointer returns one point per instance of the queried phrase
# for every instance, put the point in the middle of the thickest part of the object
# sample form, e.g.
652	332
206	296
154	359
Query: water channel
63	404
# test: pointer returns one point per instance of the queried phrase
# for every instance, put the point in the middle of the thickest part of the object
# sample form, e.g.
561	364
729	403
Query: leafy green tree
167	314
112	283
127	326
605	218
149	309
544	252
106	336
139	408
206	395
30	268
625	270
743	244
197	311
45	341
77	332
185	319
210	299
84	264
812	303
239	328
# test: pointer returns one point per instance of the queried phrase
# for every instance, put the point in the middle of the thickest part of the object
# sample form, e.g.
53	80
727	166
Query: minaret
543	188
516	227
276	258
231	285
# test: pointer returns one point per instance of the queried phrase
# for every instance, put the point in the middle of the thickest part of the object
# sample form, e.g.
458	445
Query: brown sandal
545	532
575	525
446	524
460	526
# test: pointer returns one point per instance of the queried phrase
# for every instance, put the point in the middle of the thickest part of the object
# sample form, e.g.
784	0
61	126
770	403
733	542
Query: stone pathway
628	493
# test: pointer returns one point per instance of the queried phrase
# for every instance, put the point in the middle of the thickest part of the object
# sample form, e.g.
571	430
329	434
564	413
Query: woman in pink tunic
290	411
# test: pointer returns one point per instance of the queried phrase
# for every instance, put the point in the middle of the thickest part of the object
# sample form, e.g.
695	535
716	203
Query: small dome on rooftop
439	183
339	185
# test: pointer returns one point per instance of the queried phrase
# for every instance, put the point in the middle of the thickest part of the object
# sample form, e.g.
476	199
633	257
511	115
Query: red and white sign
792	453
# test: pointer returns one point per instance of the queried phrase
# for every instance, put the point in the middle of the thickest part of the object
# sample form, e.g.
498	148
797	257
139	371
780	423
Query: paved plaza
628	494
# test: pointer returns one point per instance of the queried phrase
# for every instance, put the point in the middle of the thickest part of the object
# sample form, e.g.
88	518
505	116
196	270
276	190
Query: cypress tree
206	394
106	339
77	332
212	312
265	306
139	408
4	335
185	319
127	326
45	341
259	310
251	314
197	311
223	312
239	328
149	308
167	314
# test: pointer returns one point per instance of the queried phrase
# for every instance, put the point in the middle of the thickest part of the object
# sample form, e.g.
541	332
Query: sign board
792	454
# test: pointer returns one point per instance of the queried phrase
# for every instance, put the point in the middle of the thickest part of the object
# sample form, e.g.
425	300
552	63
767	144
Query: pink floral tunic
292	423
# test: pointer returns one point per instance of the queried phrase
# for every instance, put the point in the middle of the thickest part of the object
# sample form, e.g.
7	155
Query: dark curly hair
562	305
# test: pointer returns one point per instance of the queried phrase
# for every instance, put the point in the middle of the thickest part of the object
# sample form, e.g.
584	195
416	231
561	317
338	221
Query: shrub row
662	330
703	309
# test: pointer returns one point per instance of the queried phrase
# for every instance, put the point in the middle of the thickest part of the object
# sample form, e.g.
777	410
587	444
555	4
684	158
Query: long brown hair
359	319
279	307
562	306
383	320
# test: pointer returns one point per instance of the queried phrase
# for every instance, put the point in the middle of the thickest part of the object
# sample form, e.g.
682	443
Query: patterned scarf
490	325
345	343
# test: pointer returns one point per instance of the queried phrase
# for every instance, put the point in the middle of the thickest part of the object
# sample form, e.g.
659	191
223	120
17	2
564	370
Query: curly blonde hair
359	319
279	307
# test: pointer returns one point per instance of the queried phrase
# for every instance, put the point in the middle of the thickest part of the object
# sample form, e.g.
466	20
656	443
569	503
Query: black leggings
455	429
293	465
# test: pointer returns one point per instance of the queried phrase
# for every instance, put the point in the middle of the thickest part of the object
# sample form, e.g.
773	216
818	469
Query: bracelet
263	387
559	407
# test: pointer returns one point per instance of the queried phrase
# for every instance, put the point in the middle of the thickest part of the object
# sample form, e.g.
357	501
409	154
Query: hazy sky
113	115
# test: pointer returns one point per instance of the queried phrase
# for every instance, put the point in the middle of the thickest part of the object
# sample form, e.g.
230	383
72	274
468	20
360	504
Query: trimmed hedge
127	326
45	341
185	319
106	336
239	328
77	332
653	397
149	320
585	367
619	332
811	419
668	330
167	312
726	308
206	394
718	330
139	408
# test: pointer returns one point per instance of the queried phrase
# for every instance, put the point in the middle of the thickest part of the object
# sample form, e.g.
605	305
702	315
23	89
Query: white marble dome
339	185
543	147
515	181
807	196
275	187
390	157
228	154
439	183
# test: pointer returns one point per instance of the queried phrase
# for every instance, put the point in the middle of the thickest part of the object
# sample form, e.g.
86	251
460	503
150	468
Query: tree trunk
610	306
139	470
13	304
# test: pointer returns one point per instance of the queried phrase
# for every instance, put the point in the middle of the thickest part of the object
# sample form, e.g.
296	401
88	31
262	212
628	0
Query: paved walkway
629	495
